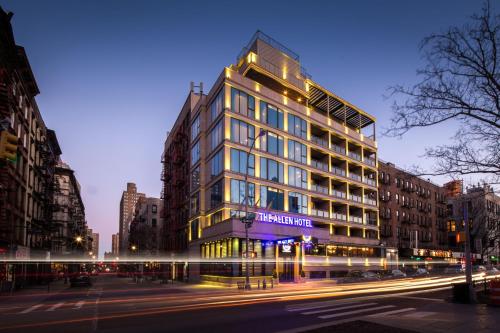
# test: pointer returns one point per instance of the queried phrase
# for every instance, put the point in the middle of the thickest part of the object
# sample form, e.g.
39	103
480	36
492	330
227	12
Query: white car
493	271
398	273
421	272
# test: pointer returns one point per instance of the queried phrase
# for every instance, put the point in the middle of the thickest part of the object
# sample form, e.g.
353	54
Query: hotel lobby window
239	162
271	198
238	192
271	170
297	203
242	103
272	143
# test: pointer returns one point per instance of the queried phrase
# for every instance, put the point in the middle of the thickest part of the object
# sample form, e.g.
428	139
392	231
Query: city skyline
72	96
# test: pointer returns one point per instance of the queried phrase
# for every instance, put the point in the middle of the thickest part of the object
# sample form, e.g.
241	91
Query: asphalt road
119	305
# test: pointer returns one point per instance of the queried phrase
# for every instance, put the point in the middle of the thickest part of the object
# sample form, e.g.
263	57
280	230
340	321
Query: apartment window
297	203
297	151
154	209
216	164
217	105
271	198
271	115
195	203
153	223
216	136
216	217
238	192
297	126
194	228
195	128
242	132
242	103
271	170
397	198
195	178
195	153
272	143
216	194
297	177
239	162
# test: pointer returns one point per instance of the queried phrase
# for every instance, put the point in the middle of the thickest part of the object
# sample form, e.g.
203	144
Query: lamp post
247	220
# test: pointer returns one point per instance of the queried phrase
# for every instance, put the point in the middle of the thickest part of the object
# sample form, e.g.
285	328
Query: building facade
146	226
127	207
95	245
482	206
312	172
115	241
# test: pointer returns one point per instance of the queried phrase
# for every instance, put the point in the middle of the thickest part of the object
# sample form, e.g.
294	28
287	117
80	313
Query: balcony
320	213
339	194
370	161
371	221
338	149
319	141
370	181
338	171
356	219
339	217
319	165
355	176
319	188
356	198
370	201
355	156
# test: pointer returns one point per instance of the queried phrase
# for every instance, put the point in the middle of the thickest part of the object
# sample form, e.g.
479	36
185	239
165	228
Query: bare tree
460	83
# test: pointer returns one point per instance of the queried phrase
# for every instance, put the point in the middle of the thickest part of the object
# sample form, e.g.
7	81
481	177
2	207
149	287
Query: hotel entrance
286	269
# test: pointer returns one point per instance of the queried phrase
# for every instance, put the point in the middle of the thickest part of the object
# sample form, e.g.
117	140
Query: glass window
154	209
195	128
216	136
238	192
271	170
272	143
297	151
239	162
297	126
297	177
195	178
271	198
242	132
195	153
195	203
216	194
216	164
271	115
242	103
297	203
217	105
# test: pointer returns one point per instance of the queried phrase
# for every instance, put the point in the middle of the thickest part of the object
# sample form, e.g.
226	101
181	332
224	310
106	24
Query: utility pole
468	263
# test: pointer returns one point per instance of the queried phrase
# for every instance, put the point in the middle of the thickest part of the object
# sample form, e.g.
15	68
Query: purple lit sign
283	219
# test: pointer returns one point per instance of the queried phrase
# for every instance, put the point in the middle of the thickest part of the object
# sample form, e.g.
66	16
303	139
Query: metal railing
370	201
355	219
354	197
319	141
355	156
338	171
339	194
320	165
338	149
339	216
319	188
355	176
319	212
370	181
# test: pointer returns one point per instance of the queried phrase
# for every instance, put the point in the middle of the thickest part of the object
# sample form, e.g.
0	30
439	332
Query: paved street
119	305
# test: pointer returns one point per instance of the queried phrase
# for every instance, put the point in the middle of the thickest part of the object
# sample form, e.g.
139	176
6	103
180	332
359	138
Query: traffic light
8	146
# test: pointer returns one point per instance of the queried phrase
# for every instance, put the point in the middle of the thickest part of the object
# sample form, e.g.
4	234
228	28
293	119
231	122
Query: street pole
468	263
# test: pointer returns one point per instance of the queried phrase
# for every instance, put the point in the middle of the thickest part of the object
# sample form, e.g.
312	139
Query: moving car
493	271
397	273
421	272
454	269
370	276
80	279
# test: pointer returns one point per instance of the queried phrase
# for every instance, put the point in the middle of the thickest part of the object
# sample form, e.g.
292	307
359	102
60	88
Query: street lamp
134	247
249	220
78	239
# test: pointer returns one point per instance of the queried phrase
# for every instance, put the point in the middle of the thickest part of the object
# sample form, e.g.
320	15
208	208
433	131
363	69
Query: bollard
264	284
258	284
272	283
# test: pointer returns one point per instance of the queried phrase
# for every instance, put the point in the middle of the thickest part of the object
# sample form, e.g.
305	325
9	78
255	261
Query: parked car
454	269
421	272
80	279
397	273
479	268
493	271
370	276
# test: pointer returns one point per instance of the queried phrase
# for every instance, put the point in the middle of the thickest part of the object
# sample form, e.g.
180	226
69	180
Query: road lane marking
34	307
335	315
387	313
320	305
338	308
419	314
79	305
55	306
422	298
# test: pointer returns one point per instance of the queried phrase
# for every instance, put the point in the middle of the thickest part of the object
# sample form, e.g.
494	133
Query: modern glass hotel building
312	174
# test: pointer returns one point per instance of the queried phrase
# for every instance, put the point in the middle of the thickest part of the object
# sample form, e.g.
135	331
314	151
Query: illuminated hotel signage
283	219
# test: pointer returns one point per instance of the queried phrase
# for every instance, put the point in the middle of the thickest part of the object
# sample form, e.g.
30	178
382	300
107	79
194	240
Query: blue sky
113	75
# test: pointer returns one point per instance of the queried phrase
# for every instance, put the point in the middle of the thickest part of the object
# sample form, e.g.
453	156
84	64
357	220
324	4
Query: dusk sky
113	75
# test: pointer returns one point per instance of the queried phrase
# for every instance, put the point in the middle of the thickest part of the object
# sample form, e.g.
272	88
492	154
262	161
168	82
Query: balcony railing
339	194
338	149
354	197
319	188
355	176
319	141
339	216
320	165
370	201
371	221
355	156
319	212
370	181
338	171
355	219
370	161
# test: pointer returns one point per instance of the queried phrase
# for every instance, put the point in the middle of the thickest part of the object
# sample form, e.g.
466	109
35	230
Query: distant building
127	207
115	244
146	226
412	213
95	244
483	211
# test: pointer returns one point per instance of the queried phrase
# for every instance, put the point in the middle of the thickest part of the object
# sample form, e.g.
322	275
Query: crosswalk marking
311	306
55	306
335	315
79	305
34	307
338	308
419	314
387	313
